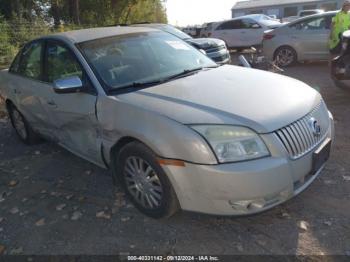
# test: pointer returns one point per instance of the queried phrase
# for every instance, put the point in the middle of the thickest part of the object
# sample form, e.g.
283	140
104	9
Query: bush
17	32
7	49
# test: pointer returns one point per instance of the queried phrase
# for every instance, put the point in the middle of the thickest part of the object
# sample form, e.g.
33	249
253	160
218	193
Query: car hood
205	43
229	95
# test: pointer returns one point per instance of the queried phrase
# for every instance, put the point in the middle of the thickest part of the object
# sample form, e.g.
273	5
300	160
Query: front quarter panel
166	137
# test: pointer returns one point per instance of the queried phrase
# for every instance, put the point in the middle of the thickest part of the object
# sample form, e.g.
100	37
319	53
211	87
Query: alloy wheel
143	183
285	57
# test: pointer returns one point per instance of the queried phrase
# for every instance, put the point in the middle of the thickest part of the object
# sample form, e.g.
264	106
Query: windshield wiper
187	72
137	85
142	85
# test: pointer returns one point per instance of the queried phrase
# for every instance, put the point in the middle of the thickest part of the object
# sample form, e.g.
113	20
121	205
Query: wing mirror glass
68	85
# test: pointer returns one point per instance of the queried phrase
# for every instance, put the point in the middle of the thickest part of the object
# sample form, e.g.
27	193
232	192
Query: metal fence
13	36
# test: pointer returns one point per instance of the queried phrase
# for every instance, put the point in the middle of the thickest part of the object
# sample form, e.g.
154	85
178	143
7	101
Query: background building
282	8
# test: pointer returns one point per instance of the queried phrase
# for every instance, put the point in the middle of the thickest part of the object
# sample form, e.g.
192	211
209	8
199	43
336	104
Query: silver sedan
301	40
176	130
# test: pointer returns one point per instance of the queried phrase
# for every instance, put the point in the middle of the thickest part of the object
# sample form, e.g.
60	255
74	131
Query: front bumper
244	188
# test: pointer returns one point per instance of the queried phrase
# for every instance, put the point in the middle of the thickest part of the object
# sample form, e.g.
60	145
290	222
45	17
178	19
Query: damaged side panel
161	134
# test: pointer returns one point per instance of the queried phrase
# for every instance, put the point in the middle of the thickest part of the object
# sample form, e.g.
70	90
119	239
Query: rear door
72	115
27	83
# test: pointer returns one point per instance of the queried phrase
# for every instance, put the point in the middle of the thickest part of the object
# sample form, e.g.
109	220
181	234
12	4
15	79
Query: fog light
248	205
259	204
242	206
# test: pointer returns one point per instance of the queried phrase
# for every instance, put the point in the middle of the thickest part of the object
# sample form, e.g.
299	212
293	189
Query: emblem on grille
315	127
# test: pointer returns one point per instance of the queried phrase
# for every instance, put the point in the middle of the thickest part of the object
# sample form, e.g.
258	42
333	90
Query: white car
302	40
244	31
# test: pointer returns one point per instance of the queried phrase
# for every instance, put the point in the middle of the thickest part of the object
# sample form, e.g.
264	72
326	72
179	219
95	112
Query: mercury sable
177	130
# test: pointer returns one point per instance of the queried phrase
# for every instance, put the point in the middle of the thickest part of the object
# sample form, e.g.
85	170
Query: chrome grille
299	138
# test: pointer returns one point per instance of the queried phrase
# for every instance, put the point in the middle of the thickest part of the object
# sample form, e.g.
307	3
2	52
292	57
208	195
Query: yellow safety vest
341	23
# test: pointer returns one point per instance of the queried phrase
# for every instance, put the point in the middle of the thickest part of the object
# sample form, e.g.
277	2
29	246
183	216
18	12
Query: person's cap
346	3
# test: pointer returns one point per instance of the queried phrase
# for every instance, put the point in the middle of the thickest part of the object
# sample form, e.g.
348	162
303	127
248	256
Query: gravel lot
52	202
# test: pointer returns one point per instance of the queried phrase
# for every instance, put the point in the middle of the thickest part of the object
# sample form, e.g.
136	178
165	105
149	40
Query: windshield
176	32
141	58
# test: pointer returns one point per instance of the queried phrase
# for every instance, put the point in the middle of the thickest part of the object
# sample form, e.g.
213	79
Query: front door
73	115
312	36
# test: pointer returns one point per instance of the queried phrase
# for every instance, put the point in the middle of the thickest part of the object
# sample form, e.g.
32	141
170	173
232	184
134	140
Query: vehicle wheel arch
31	137
116	149
9	104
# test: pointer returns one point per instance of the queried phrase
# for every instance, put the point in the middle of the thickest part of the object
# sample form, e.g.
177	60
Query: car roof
83	35
252	16
152	25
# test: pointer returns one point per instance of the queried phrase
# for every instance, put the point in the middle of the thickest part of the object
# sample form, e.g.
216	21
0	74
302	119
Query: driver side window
313	24
61	63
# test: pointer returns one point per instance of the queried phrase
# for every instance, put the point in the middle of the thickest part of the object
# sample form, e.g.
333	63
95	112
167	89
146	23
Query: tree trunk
56	14
74	12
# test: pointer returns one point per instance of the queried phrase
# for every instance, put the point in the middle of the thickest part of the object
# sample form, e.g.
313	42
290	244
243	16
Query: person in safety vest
340	24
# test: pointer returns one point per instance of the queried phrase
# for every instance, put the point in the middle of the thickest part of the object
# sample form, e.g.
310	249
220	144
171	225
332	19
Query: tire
150	190
341	84
341	81
22	127
285	56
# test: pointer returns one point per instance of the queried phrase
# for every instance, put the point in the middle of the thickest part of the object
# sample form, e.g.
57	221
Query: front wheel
145	182
285	56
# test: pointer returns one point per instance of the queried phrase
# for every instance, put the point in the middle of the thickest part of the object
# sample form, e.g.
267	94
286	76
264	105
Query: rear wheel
285	56
145	182
21	126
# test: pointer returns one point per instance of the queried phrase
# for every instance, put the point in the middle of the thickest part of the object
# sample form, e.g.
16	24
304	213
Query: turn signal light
268	36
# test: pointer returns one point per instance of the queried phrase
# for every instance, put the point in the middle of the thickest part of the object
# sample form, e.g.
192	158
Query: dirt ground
52	202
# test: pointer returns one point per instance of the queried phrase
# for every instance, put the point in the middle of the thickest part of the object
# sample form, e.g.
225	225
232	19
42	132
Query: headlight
233	143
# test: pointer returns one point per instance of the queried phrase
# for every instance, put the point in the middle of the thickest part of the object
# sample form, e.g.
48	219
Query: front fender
166	137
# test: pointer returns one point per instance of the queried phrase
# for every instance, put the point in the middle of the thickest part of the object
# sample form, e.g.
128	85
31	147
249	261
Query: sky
193	12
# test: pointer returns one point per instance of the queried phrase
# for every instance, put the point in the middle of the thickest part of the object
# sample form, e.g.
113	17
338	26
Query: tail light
268	36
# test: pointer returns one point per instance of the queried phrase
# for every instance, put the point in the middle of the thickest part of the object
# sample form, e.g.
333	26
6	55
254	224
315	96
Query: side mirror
256	26
203	51
68	85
